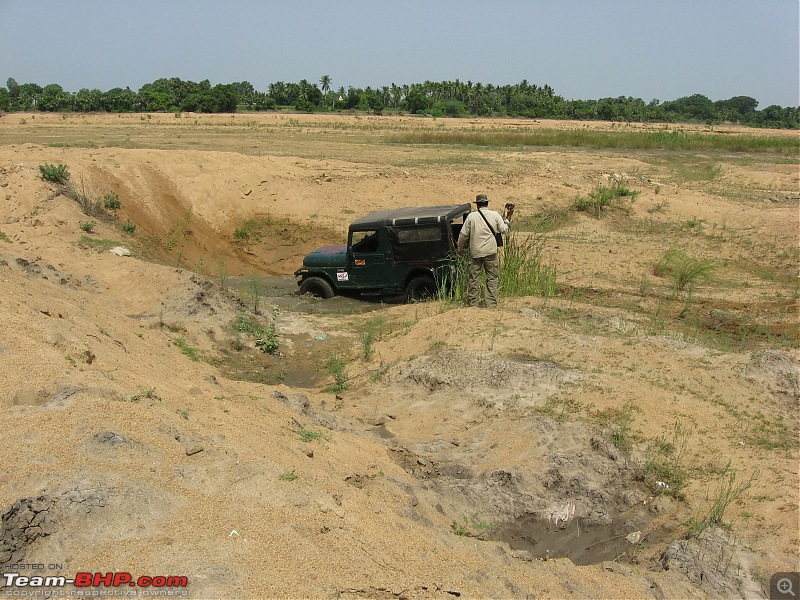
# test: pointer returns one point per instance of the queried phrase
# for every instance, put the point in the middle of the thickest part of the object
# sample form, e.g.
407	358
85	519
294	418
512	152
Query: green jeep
404	251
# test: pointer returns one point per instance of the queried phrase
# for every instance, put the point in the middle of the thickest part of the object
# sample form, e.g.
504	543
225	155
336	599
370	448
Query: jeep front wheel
421	289
317	286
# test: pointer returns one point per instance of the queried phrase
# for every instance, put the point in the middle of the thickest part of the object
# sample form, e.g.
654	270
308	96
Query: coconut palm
325	83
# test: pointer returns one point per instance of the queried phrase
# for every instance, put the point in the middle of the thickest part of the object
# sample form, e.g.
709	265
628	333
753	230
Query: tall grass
524	270
454	288
728	491
587	138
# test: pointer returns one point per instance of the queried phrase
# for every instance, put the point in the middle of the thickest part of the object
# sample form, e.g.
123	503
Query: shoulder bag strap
487	222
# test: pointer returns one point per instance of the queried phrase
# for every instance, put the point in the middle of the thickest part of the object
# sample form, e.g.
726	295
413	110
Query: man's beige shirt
476	233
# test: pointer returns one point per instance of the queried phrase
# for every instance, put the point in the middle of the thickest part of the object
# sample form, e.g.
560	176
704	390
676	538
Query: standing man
479	231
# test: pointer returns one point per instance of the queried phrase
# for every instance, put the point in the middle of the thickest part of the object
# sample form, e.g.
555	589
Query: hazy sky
584	49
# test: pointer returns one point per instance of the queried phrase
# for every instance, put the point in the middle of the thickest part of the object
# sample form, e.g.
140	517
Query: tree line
439	99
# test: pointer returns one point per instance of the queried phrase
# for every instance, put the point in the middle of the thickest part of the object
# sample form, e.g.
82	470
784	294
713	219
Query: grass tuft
684	270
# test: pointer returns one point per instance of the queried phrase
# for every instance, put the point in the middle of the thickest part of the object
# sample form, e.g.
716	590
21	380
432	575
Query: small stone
193	448
109	437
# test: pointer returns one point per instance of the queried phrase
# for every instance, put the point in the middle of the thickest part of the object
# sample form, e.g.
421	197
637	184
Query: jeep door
367	258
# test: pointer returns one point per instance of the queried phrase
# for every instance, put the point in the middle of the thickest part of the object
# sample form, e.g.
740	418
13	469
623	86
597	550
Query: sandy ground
123	454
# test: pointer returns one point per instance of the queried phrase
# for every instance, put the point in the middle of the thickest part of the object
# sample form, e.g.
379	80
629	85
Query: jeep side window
365	241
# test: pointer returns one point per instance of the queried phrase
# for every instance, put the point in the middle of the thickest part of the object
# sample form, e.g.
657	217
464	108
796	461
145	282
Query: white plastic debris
634	537
233	533
561	516
661	484
120	251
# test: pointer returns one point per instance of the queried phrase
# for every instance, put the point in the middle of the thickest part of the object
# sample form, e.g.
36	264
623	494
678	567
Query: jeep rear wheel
317	286
421	289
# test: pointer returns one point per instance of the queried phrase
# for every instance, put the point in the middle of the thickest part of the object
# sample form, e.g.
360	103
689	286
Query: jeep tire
421	289
317	286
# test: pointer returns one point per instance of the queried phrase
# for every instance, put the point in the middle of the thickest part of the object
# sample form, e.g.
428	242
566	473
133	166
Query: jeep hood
329	256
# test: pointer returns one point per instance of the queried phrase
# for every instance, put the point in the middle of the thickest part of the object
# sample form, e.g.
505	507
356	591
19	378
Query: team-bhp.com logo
88	584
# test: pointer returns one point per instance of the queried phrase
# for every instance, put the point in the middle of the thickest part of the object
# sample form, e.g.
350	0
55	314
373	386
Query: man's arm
503	224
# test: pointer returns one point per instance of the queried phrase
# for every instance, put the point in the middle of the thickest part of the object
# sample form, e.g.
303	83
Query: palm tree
325	82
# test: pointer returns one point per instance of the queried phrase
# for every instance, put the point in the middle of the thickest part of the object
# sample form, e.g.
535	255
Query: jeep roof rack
415	215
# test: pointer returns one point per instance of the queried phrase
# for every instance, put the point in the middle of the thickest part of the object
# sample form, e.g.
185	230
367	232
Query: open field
386	450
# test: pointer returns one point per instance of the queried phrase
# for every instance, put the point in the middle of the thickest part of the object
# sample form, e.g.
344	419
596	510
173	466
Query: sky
583	49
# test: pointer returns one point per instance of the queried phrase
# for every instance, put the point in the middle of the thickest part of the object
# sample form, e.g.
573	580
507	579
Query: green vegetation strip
585	138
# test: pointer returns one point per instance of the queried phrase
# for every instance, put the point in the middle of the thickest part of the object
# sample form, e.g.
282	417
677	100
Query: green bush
87	226
602	197
111	201
266	338
129	227
54	173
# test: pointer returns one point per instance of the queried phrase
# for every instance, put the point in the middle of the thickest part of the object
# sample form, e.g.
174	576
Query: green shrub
129	227
603	196
87	226
54	173
111	201
266	338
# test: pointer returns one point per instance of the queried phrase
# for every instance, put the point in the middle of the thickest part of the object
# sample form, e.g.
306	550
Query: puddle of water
305	366
282	292
583	544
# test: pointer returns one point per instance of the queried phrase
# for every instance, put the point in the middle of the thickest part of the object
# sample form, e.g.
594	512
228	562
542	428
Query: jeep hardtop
404	251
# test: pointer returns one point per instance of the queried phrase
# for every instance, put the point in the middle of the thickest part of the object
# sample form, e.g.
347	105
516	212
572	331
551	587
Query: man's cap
481	199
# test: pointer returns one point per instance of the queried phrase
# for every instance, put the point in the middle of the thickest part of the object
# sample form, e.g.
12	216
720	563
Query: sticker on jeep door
342	276
360	262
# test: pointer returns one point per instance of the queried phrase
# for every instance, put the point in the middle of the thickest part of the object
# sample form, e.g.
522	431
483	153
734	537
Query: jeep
404	251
